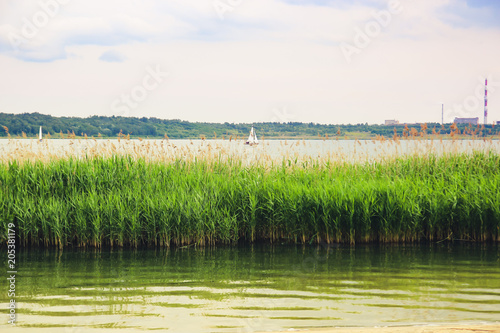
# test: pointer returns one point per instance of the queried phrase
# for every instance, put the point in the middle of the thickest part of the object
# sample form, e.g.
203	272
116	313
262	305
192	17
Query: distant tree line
28	124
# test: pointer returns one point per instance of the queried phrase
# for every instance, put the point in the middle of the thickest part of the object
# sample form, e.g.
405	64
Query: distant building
391	122
473	121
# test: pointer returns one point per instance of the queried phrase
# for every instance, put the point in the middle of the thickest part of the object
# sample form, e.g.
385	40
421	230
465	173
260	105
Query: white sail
252	138
40	134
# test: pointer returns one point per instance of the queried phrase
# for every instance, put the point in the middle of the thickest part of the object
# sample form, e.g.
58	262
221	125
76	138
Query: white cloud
112	56
263	55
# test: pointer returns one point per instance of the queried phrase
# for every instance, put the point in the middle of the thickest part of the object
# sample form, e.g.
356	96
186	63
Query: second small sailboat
40	136
252	139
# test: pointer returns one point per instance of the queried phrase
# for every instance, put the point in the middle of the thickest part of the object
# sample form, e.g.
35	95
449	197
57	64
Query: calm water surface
257	288
345	150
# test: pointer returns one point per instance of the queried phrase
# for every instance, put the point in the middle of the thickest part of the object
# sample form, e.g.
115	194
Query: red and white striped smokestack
486	101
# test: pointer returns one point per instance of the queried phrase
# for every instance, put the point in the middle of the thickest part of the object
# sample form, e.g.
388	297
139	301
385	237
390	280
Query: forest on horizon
28	124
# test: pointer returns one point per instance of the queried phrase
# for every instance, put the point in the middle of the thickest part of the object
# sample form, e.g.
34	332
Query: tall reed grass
122	200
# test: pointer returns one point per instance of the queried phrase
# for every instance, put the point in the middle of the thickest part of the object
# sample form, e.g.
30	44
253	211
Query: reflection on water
252	288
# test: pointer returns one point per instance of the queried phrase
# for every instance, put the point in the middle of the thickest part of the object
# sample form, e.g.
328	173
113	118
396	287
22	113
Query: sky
320	61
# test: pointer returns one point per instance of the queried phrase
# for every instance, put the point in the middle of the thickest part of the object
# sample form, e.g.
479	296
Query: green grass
120	201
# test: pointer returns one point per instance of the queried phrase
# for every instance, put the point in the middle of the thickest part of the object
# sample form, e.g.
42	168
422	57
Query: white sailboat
40	134
252	138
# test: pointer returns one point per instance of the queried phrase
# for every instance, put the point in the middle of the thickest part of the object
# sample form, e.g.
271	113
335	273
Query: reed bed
269	152
114	196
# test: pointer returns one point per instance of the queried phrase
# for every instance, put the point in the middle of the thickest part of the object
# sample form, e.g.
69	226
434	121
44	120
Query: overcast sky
322	61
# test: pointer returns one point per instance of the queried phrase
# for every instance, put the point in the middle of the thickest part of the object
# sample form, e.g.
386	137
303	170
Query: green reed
122	201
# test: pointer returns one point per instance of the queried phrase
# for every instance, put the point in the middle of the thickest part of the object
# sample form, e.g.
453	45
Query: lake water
257	288
277	150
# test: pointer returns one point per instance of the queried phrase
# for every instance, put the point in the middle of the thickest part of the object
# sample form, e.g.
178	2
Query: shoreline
272	138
